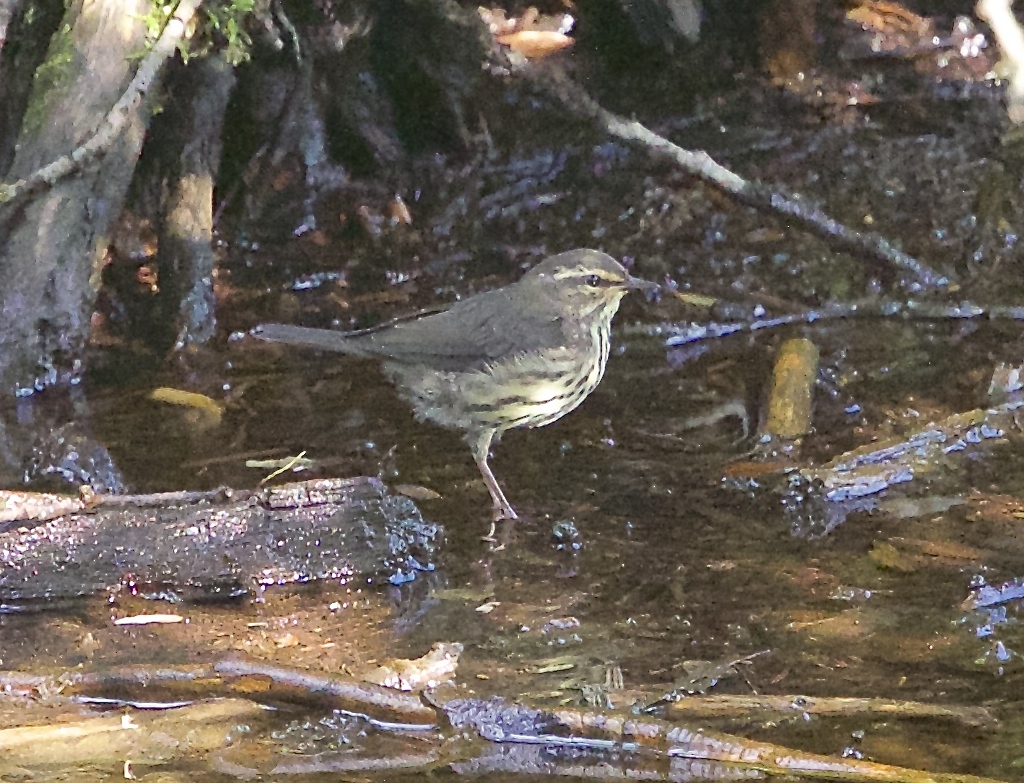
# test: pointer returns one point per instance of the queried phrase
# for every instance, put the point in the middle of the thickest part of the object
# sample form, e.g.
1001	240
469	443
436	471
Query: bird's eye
592	280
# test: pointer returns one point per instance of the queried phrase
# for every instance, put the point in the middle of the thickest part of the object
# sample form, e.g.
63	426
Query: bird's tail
325	339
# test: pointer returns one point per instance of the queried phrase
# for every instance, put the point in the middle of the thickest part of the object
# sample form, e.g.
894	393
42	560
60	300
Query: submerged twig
229	678
627	734
869	469
988	595
145	737
646	742
728	706
340	693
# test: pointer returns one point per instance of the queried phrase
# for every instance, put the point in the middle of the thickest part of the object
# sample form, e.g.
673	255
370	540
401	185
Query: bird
523	355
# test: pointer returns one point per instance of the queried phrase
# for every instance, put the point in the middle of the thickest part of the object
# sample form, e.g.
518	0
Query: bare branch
756	194
117	118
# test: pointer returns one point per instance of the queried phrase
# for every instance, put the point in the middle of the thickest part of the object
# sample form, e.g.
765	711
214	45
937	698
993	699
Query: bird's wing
471	333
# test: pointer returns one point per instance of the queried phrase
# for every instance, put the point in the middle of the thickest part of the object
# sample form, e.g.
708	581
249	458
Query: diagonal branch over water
756	194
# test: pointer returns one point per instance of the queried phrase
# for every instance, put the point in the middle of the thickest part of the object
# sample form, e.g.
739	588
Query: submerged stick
642	741
681	742
728	706
143	737
233	677
339	693
871	468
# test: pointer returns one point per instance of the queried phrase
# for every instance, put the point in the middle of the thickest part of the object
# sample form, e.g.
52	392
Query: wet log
761	706
219	544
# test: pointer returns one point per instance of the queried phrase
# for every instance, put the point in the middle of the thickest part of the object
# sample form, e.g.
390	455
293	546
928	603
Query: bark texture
7	10
186	242
25	30
53	247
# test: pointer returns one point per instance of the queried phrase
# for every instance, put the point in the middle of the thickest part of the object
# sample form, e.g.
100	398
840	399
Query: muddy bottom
647	562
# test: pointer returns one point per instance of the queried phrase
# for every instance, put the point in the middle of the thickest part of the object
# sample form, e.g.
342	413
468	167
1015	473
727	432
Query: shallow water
648	546
672	561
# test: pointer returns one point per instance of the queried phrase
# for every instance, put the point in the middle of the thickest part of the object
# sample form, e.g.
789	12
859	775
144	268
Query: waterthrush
519	356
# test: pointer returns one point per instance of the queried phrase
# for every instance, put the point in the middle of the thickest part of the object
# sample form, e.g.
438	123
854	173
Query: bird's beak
639	284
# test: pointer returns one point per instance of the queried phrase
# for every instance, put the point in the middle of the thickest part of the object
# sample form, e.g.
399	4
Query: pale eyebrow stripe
610	277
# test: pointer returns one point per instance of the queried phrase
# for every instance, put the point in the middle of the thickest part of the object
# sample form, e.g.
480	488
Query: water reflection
635	556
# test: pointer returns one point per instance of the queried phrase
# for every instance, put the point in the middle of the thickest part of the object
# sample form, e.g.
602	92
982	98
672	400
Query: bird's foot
503	512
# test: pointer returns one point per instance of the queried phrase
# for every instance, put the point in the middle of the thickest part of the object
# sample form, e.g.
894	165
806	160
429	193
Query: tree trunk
25	28
52	248
186	241
8	10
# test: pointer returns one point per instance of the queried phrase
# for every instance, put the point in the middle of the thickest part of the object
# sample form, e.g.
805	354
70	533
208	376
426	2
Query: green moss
226	21
222	29
49	79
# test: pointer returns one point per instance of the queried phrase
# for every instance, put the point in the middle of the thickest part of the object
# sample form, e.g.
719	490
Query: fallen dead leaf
535	44
417	492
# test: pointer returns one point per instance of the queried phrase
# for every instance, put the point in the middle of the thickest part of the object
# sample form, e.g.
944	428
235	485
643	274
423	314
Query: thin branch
762	707
756	194
117	118
692	331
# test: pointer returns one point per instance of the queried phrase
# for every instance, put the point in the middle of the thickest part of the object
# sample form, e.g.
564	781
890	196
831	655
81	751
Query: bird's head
588	281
